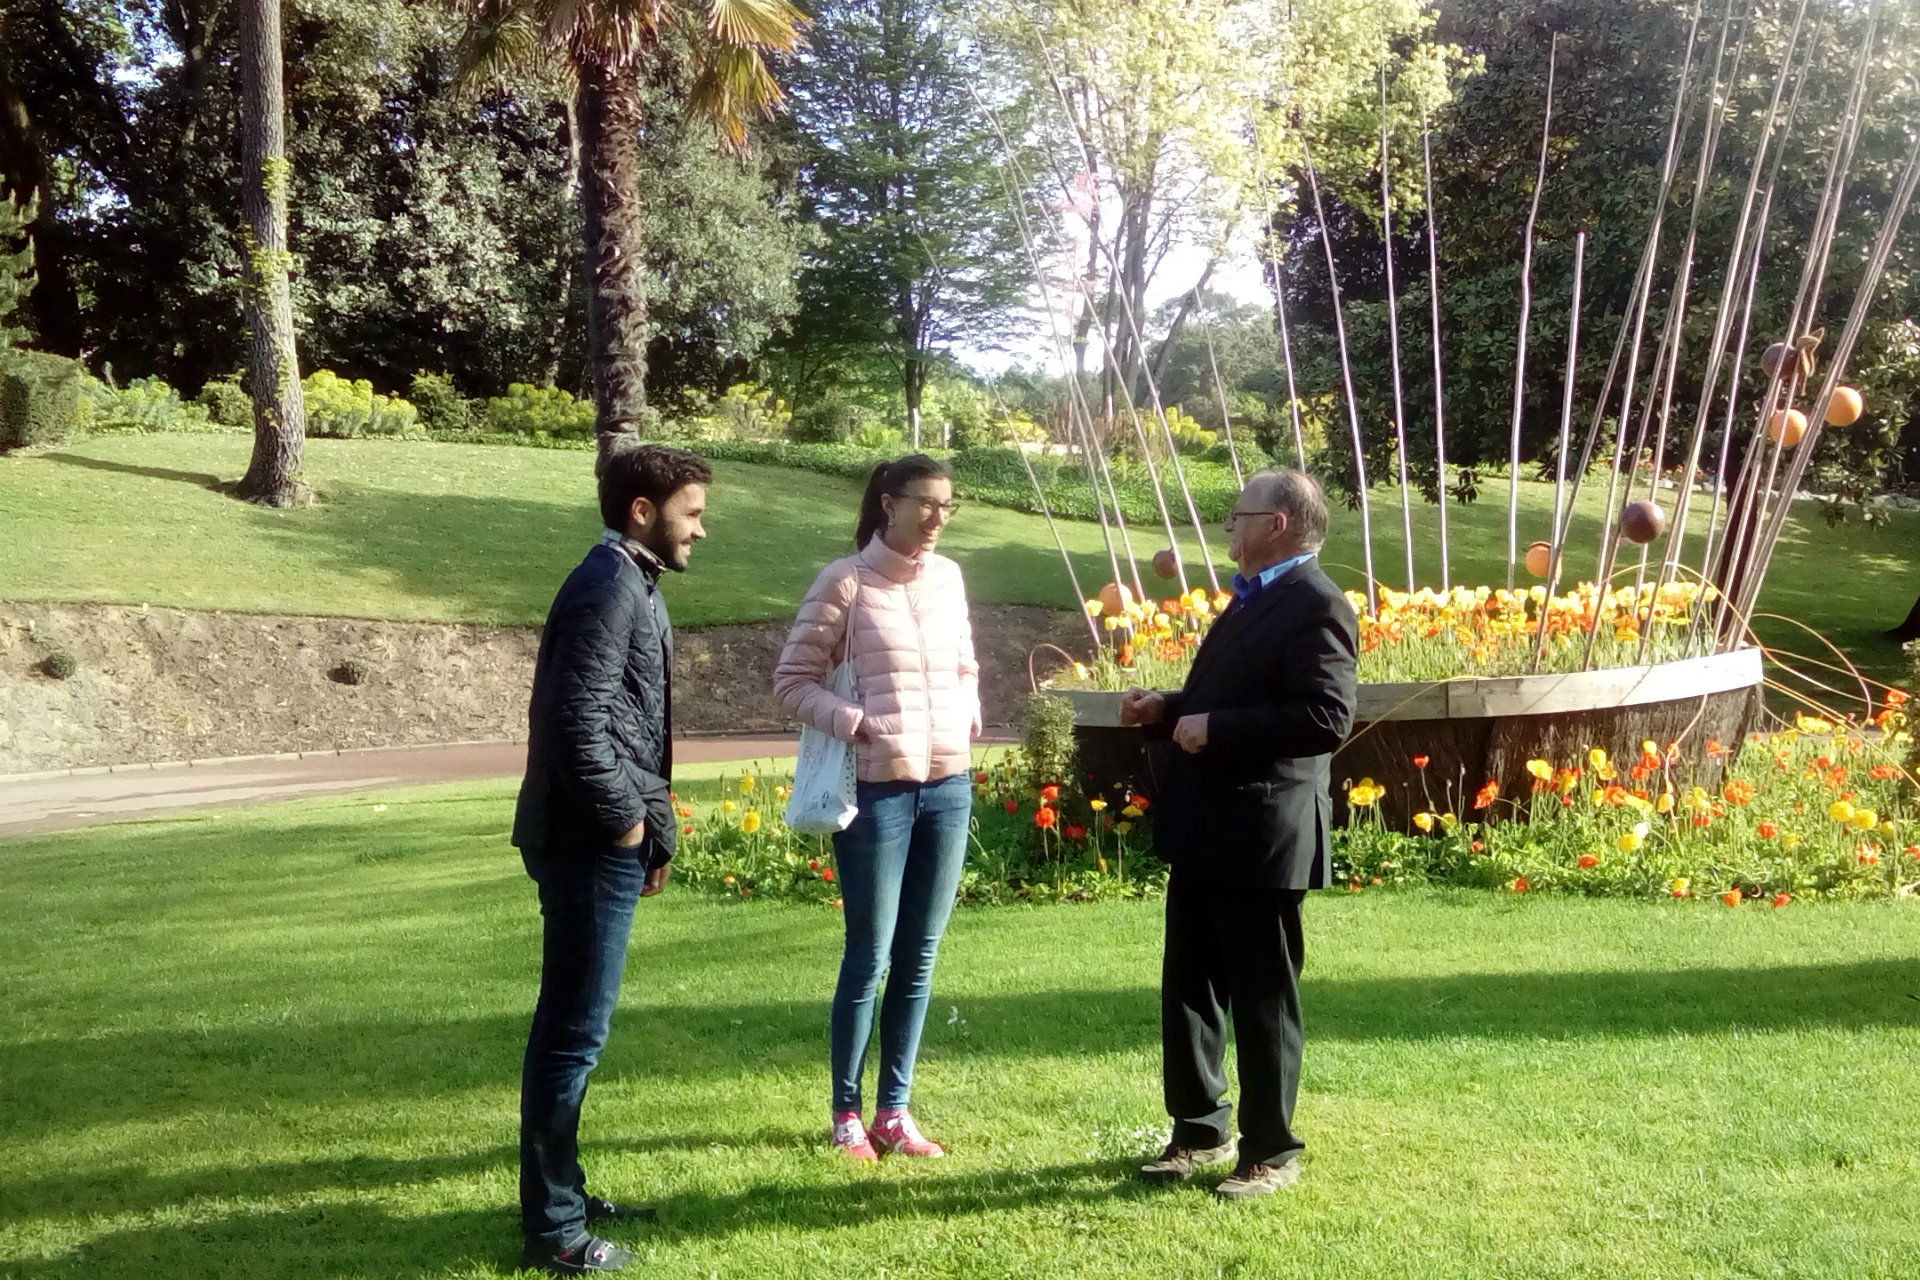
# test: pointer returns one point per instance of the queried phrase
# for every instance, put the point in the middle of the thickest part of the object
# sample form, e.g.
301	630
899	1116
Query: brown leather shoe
1257	1178
1177	1163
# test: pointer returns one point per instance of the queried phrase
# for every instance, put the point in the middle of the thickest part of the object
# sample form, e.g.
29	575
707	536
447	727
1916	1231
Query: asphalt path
58	800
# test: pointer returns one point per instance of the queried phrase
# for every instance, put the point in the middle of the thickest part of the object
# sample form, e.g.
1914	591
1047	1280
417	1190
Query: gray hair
1290	490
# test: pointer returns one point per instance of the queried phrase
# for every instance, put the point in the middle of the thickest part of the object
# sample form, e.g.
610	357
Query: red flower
1896	698
1075	832
687	830
1521	885
1767	831
1420	761
1702	819
1050	793
1045	816
1589	860
1478	848
1733	897
1013	806
826	874
1782	899
1487	795
981	777
1138	800
813	865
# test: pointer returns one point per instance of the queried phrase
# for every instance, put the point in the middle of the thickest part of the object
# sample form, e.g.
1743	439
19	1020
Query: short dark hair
653	472
1290	490
893	478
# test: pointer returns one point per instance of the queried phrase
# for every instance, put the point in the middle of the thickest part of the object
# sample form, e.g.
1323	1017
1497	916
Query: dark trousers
1232	950
587	899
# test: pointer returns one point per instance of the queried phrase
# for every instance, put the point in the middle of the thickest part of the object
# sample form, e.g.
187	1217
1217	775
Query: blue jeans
900	861
587	897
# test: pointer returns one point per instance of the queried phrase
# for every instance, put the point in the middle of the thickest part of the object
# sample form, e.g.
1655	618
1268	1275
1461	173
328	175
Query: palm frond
500	36
771	26
733	86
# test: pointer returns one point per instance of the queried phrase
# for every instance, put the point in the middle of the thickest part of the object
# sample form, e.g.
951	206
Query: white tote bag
824	800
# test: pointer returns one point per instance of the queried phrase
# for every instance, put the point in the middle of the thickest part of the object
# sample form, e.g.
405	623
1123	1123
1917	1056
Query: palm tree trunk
279	411
610	114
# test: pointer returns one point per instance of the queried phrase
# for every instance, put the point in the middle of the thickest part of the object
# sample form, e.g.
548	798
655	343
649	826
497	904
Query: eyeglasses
947	509
1233	516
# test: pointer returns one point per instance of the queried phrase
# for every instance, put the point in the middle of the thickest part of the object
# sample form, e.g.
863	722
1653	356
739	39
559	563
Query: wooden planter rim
1474	697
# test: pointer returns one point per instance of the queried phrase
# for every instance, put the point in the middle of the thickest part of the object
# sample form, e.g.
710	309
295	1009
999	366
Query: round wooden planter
1474	729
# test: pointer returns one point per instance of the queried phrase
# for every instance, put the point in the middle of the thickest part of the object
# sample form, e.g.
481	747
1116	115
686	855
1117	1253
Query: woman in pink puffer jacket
899	611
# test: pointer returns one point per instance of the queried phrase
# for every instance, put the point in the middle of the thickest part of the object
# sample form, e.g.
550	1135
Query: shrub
443	410
540	412
39	399
143	405
60	665
831	420
351	410
745	412
226	402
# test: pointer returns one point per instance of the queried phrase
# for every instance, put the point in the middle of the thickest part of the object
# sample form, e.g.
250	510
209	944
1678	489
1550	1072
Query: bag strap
846	636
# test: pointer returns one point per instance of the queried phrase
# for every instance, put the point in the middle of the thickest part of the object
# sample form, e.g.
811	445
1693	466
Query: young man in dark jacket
1244	818
595	824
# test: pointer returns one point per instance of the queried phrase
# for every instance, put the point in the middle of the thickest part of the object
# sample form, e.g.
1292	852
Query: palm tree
608	48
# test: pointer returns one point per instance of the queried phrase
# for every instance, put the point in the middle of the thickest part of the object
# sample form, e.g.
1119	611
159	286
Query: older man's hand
1142	707
1190	731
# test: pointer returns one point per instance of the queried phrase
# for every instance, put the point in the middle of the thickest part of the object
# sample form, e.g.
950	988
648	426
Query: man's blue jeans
587	897
900	862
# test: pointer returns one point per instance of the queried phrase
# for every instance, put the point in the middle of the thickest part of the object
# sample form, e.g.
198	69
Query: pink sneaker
850	1136
894	1132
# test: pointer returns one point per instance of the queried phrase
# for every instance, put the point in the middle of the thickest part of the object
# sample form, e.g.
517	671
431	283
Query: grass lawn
418	530
285	1041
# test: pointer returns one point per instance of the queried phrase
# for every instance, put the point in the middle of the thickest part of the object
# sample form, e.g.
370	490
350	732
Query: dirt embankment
169	684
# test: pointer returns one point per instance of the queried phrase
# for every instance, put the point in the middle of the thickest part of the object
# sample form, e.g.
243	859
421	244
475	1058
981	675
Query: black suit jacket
1275	676
599	729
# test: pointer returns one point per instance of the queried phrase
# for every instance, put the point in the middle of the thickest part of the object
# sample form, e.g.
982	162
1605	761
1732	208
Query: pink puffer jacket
916	686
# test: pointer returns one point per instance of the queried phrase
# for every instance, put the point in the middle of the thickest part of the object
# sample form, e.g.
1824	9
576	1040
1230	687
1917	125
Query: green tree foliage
1615	83
432	225
914	188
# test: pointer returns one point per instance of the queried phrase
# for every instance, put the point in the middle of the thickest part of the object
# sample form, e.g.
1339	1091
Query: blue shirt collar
1244	587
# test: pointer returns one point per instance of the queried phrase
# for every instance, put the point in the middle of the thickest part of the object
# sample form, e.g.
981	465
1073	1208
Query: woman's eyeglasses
947	508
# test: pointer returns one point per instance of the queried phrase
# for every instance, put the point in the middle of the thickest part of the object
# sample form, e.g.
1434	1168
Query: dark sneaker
601	1210
1258	1179
589	1257
1178	1163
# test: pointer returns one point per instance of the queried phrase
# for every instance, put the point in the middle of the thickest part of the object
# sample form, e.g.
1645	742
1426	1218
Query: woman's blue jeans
900	861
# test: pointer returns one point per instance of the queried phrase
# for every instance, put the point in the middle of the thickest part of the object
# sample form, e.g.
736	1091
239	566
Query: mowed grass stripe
416	530
285	1041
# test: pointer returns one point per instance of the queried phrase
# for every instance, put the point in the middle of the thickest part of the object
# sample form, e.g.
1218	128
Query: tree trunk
279	410
612	210
1909	630
567	248
54	304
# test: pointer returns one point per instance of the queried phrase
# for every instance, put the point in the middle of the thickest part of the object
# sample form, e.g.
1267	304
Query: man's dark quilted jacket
599	733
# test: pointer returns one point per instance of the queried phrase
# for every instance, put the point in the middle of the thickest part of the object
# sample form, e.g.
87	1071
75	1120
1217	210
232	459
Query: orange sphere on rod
1845	408
1114	600
1540	559
1788	426
1166	563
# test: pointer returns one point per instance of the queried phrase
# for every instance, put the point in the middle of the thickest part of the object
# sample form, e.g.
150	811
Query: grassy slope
416	530
285	1041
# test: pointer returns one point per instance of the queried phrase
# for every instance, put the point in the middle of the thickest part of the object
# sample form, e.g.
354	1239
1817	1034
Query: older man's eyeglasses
1233	516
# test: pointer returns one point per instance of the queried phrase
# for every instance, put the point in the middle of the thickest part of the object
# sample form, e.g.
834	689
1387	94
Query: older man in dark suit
595	824
1244	818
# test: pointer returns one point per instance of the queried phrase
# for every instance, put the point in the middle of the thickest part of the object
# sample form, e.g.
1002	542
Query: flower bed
1818	809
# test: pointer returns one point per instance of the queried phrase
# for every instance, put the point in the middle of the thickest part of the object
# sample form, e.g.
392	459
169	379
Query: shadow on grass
203	480
149	1077
359	1239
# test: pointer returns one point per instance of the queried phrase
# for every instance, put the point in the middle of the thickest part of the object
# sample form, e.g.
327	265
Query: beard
670	543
